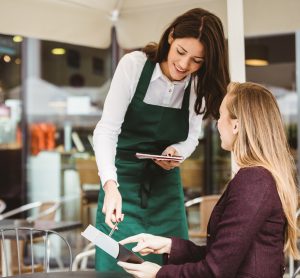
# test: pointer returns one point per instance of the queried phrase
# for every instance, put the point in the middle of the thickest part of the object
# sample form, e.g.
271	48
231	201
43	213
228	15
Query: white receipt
102	240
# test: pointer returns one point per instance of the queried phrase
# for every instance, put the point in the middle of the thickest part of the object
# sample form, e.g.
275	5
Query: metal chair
2	206
89	185
206	205
81	259
13	239
296	273
45	210
39	211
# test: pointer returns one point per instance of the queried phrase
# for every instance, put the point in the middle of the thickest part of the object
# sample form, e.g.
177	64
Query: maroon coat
245	234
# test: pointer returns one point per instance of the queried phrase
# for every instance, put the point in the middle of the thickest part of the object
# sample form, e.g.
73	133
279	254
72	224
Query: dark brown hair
213	75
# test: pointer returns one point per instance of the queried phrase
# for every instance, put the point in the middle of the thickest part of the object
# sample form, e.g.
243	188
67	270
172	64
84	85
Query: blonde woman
254	221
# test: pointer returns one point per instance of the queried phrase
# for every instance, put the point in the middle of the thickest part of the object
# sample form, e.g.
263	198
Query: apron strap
144	80
186	97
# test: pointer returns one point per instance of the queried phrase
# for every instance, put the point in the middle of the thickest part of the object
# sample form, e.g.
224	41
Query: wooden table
75	274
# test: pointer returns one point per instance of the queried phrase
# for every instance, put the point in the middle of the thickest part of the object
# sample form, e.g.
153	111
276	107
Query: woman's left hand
143	270
168	165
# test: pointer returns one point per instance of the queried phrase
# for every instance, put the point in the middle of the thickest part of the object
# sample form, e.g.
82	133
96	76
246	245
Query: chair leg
82	212
6	257
57	256
291	266
88	209
85	214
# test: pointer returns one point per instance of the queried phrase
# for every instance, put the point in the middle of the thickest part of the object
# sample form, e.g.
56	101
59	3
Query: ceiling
89	22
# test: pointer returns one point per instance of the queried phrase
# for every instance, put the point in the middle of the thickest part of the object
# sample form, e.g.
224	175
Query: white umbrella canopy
89	22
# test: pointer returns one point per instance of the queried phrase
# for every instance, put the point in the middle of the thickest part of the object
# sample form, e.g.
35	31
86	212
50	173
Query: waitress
155	104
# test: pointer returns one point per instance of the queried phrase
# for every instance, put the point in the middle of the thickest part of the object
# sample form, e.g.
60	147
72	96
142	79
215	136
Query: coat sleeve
248	204
185	251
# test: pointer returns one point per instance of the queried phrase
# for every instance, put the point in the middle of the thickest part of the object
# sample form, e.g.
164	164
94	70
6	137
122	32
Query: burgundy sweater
245	234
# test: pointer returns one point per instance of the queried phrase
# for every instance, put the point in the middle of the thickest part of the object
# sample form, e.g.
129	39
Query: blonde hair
261	141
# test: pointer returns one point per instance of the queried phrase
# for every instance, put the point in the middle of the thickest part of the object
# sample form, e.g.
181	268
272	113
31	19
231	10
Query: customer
254	221
155	104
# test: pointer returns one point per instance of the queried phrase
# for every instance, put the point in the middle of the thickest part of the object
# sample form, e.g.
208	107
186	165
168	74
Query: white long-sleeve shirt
161	92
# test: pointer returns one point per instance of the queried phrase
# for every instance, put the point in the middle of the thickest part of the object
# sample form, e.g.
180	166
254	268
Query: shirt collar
157	73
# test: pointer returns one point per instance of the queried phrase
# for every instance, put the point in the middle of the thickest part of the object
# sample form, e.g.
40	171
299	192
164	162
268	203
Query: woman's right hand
147	244
112	205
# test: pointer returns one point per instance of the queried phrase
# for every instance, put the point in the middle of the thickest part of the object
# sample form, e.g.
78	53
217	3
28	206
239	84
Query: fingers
167	165
104	208
130	267
118	212
140	246
174	164
170	151
109	217
112	205
143	248
131	239
145	269
147	251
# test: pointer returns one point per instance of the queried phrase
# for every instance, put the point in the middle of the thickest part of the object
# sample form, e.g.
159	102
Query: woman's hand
147	244
112	205
144	270
168	165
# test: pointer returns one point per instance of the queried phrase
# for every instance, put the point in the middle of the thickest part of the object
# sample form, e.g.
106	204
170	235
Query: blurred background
57	59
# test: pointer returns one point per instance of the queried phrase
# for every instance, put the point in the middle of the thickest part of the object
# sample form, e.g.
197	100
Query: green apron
152	198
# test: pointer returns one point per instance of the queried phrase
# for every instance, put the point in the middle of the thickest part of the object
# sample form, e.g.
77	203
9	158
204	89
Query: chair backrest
45	210
206	207
81	259
2	206
87	170
294	275
206	204
13	240
89	186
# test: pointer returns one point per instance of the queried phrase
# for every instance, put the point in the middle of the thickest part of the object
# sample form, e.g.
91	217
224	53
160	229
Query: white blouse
161	91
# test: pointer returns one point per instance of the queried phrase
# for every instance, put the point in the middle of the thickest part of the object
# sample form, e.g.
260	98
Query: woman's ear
170	37
235	129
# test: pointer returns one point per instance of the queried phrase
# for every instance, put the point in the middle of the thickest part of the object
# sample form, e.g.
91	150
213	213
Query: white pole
236	47
34	61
